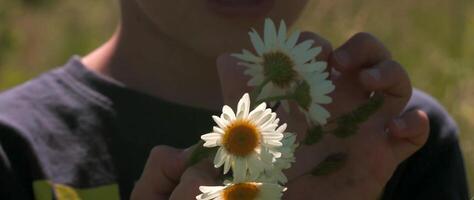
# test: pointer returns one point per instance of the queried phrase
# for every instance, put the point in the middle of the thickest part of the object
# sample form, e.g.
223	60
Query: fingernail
374	73
400	124
342	58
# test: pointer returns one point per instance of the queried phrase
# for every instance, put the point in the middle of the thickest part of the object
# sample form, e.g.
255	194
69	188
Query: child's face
212	27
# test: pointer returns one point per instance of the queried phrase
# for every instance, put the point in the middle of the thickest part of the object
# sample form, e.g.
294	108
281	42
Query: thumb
232	79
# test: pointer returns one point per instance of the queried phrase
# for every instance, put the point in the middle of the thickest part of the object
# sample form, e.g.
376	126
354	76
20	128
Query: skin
146	52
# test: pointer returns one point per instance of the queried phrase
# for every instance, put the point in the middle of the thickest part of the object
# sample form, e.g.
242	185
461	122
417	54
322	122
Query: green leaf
329	165
314	135
348	124
346	130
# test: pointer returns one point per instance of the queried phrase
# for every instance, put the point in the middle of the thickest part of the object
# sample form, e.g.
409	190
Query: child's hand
165	176
365	65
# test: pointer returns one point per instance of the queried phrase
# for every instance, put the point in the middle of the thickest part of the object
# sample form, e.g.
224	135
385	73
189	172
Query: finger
392	80
163	169
408	133
232	79
362	50
202	174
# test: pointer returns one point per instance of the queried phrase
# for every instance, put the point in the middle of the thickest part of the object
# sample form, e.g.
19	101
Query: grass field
433	39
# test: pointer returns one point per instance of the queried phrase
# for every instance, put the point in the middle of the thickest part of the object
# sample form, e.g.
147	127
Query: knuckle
372	43
395	69
365	37
394	64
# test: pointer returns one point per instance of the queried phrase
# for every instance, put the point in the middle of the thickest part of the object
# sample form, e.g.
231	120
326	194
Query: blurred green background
434	39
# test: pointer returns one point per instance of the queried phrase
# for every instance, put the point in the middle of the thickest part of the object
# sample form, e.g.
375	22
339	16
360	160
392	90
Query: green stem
256	92
198	153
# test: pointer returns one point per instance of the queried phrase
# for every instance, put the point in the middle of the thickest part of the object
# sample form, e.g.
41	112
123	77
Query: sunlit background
434	39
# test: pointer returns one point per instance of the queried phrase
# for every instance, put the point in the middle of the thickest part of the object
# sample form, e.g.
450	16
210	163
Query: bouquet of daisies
250	142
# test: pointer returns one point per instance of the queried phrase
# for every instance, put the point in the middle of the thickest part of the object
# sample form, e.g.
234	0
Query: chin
213	27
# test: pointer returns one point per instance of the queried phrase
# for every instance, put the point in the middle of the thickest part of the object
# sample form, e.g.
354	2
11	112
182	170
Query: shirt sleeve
437	170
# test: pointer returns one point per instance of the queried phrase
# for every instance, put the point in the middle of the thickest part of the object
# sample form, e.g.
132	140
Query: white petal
320	66
300	49
291	42
211	139
319	114
277	120
211	143
220	122
269	127
227	164
239	169
282	34
247	56
322	87
264	117
217	130
307	55
274	143
268	121
255	167
257	42
273	136
210	192
252	69
269	33
260	107
307	67
322	100
255	113
282	128
211	136
228	113
243	106
220	157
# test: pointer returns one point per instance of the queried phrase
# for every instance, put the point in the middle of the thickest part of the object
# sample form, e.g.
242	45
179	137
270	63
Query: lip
241	8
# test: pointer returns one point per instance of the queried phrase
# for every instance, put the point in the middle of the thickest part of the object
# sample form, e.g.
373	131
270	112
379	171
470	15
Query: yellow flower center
241	191
279	67
241	138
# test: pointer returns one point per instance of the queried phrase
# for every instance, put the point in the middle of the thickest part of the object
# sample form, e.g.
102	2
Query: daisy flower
279	62
247	140
242	191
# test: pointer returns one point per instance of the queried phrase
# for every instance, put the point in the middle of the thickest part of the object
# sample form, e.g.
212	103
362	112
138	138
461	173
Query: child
90	124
